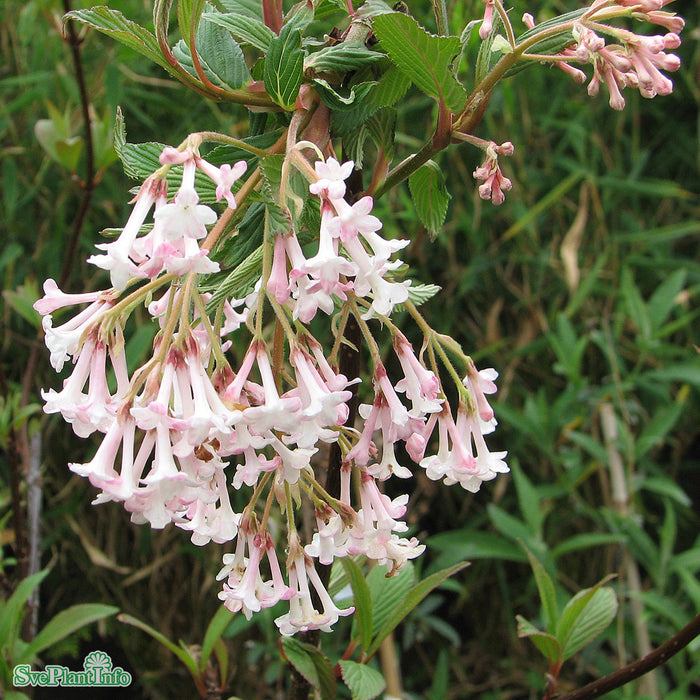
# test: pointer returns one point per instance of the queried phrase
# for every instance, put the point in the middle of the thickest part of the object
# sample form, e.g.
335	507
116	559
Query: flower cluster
189	429
635	61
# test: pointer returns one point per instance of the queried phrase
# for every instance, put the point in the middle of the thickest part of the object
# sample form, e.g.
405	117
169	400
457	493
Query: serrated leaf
284	67
548	644
237	283
233	71
372	8
364	682
341	58
381	128
580	624
114	24
338	98
430	196
387	593
362	600
411	599
64	624
311	664
390	87
189	13
246	29
425	58
222	56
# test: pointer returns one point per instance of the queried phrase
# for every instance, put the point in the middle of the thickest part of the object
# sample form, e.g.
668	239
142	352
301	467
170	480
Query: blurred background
581	290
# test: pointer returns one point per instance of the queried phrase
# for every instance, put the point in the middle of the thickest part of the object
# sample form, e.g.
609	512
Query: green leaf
390	87
62	625
430	196
388	593
424	58
664	486
381	128
246	29
545	586
664	298
221	57
362	600
341	58
22	301
311	664
364	682
13	609
114	24
185	656
189	13
337	97
585	616
215	629
239	282
576	543
657	429
284	67
467	544
635	304
685	372
412	598
548	644
232	70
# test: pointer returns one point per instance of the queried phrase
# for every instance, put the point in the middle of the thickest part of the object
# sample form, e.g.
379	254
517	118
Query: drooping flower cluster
186	430
636	61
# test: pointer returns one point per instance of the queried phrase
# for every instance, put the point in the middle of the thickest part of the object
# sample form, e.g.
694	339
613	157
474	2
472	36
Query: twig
638	668
88	184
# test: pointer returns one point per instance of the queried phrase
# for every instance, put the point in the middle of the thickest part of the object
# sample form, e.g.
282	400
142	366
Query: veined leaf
362	600
425	58
430	196
218	50
341	58
114	24
312	664
585	616
284	66
548	644
189	12
364	682
246	29
410	600
337	97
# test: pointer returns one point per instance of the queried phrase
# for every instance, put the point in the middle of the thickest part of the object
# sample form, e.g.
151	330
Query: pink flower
118	255
302	615
495	183
487	24
224	177
332	176
244	588
54	298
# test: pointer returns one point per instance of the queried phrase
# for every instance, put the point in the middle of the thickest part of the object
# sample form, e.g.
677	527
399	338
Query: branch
638	668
